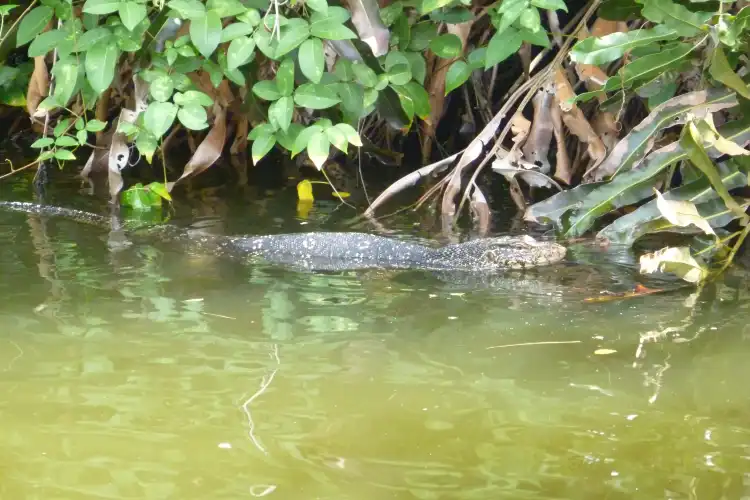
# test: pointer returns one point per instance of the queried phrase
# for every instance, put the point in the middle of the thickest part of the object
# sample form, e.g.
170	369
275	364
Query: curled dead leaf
682	213
675	260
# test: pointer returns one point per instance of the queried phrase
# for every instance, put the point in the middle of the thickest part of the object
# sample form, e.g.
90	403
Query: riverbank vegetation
615	119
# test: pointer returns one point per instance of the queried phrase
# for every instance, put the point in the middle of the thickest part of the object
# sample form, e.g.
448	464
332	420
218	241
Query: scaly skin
326	251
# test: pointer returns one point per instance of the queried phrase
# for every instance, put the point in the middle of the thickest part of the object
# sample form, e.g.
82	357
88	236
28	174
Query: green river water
152	373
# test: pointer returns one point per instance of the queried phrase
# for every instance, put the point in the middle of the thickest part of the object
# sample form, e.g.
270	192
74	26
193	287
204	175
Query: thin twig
536	343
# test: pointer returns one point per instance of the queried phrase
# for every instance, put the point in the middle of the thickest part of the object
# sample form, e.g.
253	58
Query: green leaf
430	5
162	88
619	10
236	30
95	125
292	35
364	74
66	141
675	16
285	77
447	46
300	143
393	58
205	33
259	130
100	64
193	97
539	37
312	59
420	98
240	52
647	219
476	58
286	139
251	17
350	133
352	98
280	113
46	155
456	15
550	4
226	8
93	38
421	35
139	198
66	76
649	66
611	47
390	13
723	72
402	32
457	74
315	96
337	138
33	23
690	140
511	10
46	42
418	66
632	148
400	74
159	117
188	9
318	5
159	189
330	25
64	155
82	136
61	127
629	188
131	14
530	19
101	7
552	209
261	146
5	9
267	90
193	117
343	70
318	148
632	186
44	142
502	45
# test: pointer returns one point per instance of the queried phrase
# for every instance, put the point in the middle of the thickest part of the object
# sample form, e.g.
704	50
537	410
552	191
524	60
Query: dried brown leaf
519	127
369	26
209	150
38	88
576	122
536	147
563	171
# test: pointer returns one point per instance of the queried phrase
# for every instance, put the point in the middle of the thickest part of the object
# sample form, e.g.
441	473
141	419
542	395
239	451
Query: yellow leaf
304	191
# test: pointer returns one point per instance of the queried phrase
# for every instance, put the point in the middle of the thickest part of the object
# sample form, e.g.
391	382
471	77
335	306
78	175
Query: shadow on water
155	373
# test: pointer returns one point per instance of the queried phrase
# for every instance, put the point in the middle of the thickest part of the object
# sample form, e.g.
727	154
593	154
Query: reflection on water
151	374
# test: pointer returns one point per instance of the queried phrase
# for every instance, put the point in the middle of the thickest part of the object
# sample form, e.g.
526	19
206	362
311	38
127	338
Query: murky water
154	374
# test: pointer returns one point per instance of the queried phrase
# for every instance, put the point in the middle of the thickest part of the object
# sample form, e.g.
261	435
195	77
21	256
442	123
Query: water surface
150	373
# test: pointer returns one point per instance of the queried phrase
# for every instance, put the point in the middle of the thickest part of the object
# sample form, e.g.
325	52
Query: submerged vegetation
626	117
